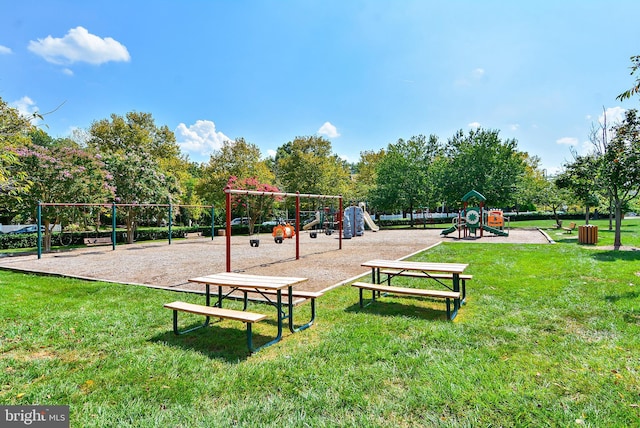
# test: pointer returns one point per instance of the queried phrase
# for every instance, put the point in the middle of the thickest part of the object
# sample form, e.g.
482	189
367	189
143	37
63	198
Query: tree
403	174
308	165
256	206
134	151
481	161
239	159
635	61
580	177
620	167
365	177
59	171
14	129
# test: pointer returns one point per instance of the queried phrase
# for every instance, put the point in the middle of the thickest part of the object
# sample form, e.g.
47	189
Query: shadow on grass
216	342
628	295
392	306
613	255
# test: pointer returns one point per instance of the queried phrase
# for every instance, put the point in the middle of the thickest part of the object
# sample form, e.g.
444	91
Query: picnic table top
233	279
420	266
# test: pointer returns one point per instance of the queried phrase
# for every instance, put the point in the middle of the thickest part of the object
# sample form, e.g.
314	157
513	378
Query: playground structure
470	220
355	218
286	230
324	221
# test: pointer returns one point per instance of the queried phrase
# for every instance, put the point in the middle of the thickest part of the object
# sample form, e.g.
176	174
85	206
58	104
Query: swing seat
313	234
278	239
254	242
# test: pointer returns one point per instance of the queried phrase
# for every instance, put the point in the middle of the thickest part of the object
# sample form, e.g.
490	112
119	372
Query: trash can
222	232
588	234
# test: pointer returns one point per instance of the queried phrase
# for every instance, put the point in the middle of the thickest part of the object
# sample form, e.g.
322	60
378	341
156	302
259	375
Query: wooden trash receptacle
222	232
588	234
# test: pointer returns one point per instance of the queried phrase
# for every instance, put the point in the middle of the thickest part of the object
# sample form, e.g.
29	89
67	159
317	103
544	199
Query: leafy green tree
257	207
308	165
59	171
580	177
481	161
405	174
239	159
14	129
635	66
620	167
139	156
365	176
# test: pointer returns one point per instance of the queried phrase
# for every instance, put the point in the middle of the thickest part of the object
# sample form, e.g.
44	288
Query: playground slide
313	223
369	221
495	231
449	230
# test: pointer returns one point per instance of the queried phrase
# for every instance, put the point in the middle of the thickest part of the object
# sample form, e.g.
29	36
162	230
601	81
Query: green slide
449	230
494	230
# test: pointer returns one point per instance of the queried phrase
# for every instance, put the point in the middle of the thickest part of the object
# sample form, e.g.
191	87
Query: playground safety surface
159	264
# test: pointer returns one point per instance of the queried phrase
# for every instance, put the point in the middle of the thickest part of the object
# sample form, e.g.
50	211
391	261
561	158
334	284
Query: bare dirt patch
161	265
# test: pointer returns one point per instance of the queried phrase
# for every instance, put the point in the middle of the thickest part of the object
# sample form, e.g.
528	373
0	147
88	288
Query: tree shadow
613	255
393	306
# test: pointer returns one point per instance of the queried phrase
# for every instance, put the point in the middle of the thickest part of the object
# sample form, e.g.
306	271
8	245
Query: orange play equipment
282	231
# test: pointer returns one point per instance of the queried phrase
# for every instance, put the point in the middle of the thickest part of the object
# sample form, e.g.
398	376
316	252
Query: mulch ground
158	264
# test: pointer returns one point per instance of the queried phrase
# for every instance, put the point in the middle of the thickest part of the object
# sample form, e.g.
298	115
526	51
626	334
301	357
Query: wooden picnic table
439	272
266	286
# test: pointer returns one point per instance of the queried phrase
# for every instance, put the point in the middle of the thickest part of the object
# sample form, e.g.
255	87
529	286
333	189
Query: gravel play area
161	265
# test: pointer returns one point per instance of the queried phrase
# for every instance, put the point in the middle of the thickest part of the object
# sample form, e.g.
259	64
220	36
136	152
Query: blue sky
361	73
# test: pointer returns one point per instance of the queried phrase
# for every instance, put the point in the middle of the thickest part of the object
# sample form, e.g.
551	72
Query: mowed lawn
550	336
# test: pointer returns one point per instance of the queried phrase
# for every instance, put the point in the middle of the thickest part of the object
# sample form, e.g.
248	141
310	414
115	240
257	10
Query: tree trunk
617	243
586	214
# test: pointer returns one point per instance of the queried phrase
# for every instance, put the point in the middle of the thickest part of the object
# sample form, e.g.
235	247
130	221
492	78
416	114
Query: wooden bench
193	235
571	228
377	288
90	242
414	274
211	311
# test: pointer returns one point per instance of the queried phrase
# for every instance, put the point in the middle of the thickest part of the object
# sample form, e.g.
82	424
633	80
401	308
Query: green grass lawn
550	336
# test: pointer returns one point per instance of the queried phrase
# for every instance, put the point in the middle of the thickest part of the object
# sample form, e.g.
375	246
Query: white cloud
271	153
27	107
78	45
200	138
329	130
478	73
614	115
5	50
514	126
474	125
568	141
67	71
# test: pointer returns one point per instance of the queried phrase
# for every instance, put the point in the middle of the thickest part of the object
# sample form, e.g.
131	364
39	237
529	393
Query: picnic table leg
278	336
456	287
292	328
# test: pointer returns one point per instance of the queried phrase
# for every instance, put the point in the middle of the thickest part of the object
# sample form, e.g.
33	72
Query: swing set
280	231
113	207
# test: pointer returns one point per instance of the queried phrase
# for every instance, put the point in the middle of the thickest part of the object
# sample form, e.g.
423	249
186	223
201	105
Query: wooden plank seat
378	288
415	274
193	235
90	242
571	228
211	311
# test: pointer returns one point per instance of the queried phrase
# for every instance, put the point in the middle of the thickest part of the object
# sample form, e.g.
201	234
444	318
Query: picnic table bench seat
415	274
89	242
214	312
443	294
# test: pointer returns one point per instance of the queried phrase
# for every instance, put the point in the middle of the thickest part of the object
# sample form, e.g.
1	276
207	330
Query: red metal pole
340	224
228	230
297	228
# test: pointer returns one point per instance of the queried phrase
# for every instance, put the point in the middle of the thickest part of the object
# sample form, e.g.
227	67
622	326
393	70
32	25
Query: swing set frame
229	191
113	207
